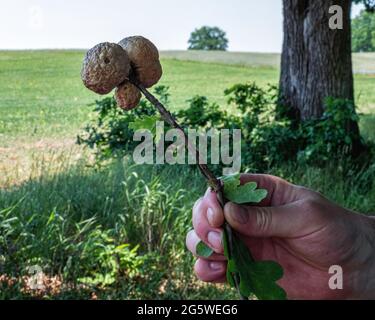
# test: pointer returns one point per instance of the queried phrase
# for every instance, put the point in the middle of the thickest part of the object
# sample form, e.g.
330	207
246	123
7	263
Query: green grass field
72	220
362	62
42	95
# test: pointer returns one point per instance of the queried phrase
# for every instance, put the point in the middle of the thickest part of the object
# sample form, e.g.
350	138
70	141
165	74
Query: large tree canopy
208	38
369	4
363	32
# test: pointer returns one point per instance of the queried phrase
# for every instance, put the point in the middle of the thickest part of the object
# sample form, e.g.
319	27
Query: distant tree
369	4
363	32
208	38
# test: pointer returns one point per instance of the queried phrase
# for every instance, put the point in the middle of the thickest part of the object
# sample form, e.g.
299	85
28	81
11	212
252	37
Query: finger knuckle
311	205
263	220
201	232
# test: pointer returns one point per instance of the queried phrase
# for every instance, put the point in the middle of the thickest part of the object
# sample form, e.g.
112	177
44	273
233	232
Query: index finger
208	216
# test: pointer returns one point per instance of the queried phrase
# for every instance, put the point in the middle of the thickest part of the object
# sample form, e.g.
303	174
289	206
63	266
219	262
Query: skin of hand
301	230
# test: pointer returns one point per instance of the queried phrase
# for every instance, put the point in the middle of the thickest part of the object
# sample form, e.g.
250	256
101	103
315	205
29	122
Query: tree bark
316	60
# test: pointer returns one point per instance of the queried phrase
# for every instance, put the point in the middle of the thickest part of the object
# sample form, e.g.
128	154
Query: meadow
117	232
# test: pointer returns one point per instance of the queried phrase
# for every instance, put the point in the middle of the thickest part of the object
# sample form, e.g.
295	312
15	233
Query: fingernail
214	238
239	214
210	216
214	265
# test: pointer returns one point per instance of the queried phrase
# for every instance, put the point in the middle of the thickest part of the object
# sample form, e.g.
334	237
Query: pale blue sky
251	25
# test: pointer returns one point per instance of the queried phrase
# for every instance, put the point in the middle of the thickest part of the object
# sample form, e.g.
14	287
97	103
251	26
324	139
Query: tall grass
71	223
119	231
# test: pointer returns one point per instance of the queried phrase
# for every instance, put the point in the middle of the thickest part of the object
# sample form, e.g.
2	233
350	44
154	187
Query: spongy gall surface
105	66
127	96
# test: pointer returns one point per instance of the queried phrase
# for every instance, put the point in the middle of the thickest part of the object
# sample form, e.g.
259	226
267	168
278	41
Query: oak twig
213	182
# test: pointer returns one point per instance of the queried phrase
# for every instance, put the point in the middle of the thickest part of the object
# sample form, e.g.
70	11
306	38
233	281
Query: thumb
284	221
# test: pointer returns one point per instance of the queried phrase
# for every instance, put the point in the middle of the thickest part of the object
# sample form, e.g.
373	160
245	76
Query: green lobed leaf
256	277
241	194
203	250
144	123
264	275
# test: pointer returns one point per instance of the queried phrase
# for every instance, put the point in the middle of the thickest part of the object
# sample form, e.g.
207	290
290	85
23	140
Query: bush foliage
267	139
363	32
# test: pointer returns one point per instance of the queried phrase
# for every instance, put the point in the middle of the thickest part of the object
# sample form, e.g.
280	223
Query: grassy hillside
42	95
249	59
362	62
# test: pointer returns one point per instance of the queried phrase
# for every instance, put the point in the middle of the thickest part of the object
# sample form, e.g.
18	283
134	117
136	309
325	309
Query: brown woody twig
213	182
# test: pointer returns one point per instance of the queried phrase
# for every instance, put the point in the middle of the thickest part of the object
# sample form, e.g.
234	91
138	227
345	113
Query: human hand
298	228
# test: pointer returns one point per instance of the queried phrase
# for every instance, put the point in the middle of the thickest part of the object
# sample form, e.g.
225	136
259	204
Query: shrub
267	138
329	138
110	134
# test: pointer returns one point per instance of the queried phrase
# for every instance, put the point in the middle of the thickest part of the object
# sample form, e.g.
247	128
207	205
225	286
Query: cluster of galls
110	65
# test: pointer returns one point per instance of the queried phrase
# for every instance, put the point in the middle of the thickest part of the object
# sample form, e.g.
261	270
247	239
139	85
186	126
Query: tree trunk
316	60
